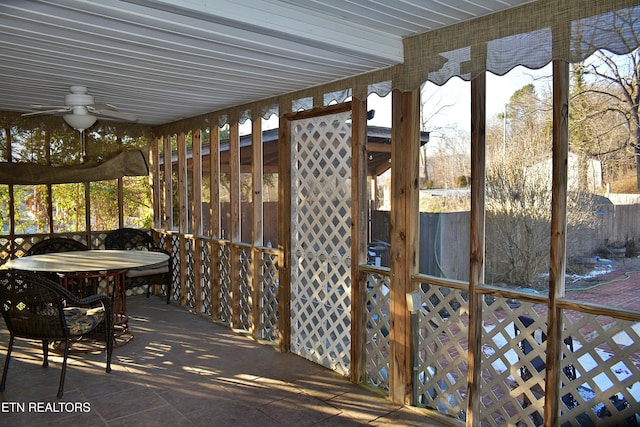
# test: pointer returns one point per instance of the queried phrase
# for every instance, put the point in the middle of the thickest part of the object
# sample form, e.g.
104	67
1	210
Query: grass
625	185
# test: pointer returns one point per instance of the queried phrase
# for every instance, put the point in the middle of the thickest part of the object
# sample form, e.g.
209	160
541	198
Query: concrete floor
182	370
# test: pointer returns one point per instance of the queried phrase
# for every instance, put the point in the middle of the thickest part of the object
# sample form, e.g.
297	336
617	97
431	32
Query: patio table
79	267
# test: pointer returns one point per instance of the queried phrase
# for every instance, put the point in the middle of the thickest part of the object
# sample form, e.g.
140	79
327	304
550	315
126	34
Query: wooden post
234	210
183	215
257	228
284	232
47	139
477	245
154	182
87	212
214	178
561	81
120	192
359	226
214	218
168	184
196	161
405	141
12	200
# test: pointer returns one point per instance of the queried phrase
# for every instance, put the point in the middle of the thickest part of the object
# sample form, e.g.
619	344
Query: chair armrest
91	300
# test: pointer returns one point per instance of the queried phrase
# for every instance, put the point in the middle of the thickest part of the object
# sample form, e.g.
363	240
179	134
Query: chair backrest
538	336
56	244
130	238
32	305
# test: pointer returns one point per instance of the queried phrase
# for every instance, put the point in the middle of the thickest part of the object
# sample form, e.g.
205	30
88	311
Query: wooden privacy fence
444	237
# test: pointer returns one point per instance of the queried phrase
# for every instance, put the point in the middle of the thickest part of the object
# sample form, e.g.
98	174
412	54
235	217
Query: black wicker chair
134	239
56	244
36	308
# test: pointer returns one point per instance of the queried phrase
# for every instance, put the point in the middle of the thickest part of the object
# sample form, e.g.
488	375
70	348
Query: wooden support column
477	245
284	232
561	81
359	227
234	210
257	226
11	201
196	159
183	219
214	218
214	179
47	140
120	191
168	185
87	212
405	134
167	219
154	182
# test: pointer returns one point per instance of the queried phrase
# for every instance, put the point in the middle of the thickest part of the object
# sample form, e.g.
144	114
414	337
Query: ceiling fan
79	110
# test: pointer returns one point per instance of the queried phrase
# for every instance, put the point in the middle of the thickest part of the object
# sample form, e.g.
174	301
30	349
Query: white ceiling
165	60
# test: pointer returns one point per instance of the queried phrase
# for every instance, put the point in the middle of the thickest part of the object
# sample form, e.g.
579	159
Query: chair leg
64	367
45	353
168	286
6	365
109	341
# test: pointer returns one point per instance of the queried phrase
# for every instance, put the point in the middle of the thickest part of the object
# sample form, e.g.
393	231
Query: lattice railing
189	266
605	359
378	325
224	297
269	314
441	358
600	367
207	298
171	242
513	348
245	289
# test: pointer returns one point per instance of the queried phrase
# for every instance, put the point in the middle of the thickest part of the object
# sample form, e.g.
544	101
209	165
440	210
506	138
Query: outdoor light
80	121
413	301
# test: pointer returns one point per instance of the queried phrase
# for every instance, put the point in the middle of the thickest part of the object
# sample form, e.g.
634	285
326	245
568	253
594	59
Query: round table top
88	261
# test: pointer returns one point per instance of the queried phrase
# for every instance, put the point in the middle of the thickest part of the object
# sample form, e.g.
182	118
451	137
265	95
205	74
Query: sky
457	93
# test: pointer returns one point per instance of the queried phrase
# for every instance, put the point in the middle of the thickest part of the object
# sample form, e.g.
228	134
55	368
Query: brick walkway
618	288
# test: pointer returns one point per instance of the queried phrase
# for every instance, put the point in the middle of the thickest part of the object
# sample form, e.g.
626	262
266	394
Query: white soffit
165	60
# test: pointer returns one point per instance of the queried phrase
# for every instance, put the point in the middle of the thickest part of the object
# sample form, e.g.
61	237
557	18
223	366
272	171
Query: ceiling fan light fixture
80	122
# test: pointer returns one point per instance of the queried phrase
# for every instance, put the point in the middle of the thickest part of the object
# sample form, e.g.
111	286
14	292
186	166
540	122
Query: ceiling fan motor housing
77	99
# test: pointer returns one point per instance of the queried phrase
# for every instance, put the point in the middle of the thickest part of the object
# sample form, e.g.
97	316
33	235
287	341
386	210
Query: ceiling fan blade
114	114
41	113
104	107
48	107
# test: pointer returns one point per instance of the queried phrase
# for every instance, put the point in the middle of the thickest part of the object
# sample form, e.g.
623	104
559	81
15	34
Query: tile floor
182	370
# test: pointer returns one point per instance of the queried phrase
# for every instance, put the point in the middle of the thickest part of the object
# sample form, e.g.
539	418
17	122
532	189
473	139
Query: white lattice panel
441	360
207	299
378	345
321	240
269	314
245	289
513	349
605	359
224	298
191	295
